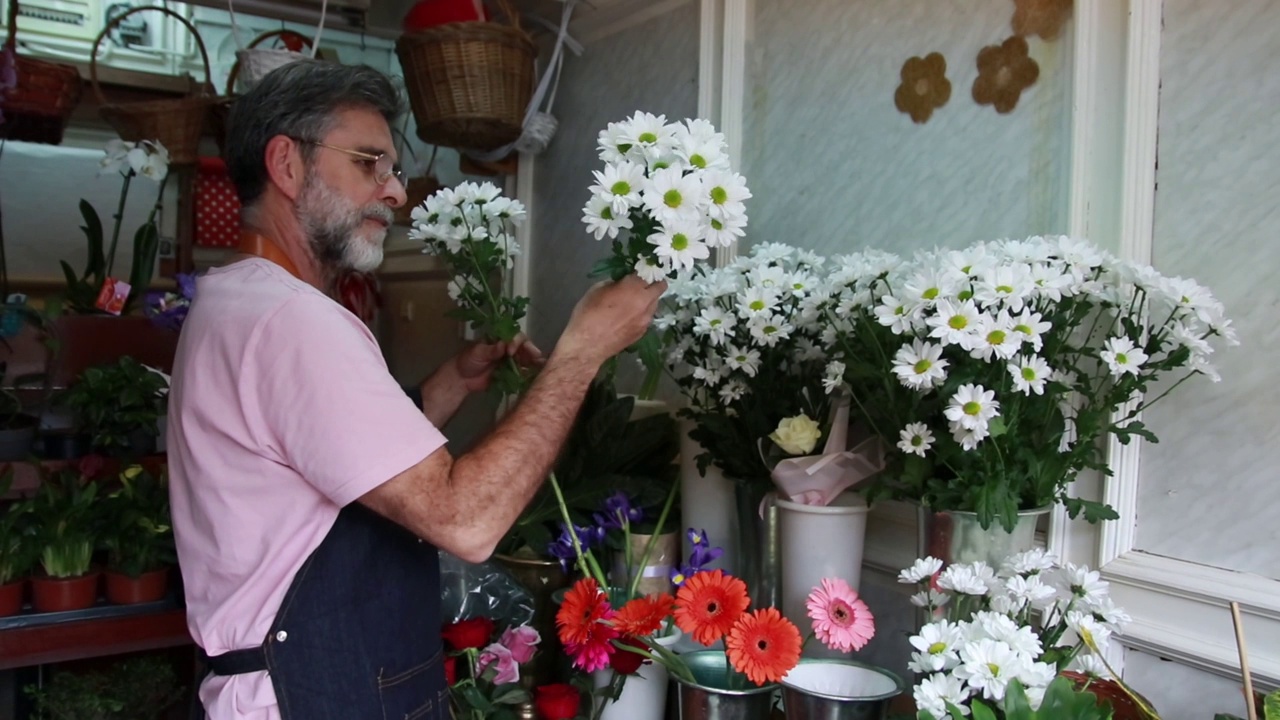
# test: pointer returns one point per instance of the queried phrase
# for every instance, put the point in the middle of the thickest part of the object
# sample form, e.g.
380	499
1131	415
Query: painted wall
834	165
651	67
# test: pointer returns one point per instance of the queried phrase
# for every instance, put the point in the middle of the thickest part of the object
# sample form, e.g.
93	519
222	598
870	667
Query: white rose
797	435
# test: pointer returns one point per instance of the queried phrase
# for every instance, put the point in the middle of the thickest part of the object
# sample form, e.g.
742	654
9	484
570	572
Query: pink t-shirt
281	412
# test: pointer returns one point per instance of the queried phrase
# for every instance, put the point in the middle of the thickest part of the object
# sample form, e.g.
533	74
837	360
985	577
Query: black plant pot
16	440
63	444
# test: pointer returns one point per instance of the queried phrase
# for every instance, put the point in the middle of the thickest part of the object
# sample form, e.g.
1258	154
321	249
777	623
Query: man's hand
610	317
476	363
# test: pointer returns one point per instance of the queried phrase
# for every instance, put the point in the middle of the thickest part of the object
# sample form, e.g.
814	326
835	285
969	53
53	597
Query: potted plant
119	406
17	429
138	537
139	688
66	529
16	556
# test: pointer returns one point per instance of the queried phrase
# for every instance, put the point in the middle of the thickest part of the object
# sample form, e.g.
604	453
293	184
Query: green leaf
146	242
97	263
997	427
982	712
1094	512
510	694
1271	706
1124	434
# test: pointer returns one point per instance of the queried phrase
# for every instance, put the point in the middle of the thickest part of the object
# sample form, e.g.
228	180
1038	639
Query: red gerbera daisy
763	645
709	603
644	615
582	625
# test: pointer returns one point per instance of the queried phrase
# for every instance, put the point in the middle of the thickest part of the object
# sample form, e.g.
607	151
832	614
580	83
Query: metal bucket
839	690
708	698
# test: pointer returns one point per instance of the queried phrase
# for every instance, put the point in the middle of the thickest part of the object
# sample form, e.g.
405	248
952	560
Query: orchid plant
1007	634
472	228
169	309
996	370
743	343
146	158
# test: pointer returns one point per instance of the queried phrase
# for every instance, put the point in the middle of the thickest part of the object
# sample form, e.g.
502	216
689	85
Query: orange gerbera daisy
763	645
583	608
644	615
709	603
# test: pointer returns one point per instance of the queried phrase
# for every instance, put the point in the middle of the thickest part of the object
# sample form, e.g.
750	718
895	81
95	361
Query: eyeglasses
381	166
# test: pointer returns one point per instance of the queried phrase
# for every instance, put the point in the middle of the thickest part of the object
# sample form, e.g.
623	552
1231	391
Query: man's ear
284	166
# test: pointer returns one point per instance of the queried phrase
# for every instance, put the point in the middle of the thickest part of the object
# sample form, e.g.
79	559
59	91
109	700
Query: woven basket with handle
177	123
220	112
37	109
469	83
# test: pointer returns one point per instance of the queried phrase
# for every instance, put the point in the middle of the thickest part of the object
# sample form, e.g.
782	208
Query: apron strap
236	662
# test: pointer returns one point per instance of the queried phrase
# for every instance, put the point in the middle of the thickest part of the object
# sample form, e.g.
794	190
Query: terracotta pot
147	587
1108	691
49	594
11	597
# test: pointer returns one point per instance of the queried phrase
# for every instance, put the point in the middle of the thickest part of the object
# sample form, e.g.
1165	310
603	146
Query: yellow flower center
1028	374
1024	329
972	408
719	195
622	187
1005	289
606	213
930	294
756	305
996	337
937	647
698	161
648	137
679	241
922	366
1122	359
672	199
965	294
958	322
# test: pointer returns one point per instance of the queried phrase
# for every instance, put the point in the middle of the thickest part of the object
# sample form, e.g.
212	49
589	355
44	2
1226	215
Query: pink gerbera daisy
840	619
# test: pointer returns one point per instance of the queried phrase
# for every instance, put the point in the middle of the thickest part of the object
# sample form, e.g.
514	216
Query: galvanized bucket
708	698
839	690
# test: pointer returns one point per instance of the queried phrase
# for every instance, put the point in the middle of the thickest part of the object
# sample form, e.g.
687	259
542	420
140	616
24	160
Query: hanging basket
469	83
38	107
253	63
177	123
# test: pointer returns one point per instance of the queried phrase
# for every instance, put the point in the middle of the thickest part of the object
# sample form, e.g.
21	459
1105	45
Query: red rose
90	465
451	670
625	661
464	634
558	701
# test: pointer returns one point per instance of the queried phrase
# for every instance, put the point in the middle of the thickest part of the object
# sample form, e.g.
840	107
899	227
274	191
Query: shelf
37	639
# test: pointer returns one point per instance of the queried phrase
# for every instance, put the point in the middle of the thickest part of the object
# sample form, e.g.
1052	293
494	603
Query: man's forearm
501	474
442	394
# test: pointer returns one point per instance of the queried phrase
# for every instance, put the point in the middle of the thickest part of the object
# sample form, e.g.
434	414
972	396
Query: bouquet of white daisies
472	228
999	640
996	369
743	343
670	187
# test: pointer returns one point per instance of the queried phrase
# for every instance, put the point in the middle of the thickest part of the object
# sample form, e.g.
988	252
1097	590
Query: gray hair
298	100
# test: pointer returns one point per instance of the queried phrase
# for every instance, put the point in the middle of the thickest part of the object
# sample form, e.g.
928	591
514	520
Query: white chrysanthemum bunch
472	227
1004	349
669	185
743	342
1025	623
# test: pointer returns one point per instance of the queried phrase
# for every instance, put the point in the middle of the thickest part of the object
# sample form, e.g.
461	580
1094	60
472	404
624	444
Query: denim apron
357	636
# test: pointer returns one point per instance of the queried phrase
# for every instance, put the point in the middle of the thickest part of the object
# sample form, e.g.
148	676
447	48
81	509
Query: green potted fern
16	555
138	538
66	521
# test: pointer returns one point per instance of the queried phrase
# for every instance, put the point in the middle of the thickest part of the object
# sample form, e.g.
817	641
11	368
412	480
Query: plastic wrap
481	589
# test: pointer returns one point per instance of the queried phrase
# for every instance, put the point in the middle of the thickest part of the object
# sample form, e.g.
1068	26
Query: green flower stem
671	661
615	690
119	217
653	539
584	559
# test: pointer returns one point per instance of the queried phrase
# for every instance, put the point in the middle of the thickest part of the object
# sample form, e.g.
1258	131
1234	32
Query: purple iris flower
562	547
701	555
618	512
169	310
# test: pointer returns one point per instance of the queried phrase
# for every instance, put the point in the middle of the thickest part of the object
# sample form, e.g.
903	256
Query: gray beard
331	223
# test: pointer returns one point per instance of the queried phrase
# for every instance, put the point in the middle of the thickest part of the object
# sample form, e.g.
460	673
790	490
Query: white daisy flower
600	219
1083	583
968	438
833	376
768	329
612	143
930	598
920	366
748	360
1028	562
921	570
967	579
938	645
679	244
1004	285
1049	281
898	315
710	374
1037	675
621	184
651	270
725	192
915	438
1191	337
1085	625
1030	374
724	232
649	135
1122	356
972	407
930	286
1189	297
988	666
1031	326
1201	364
714	324
757	301
954	323
671	196
995	337
1001	627
1089	664
731	391
938	691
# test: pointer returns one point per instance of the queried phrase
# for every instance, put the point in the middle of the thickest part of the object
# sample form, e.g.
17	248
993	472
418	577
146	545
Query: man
308	492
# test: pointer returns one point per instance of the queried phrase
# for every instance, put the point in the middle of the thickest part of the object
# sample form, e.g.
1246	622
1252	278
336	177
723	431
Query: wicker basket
257	62
469	83
177	123
37	109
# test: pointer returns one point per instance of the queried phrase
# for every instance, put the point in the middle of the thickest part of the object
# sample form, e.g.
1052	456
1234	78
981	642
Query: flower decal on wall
1004	71
1040	17
924	87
